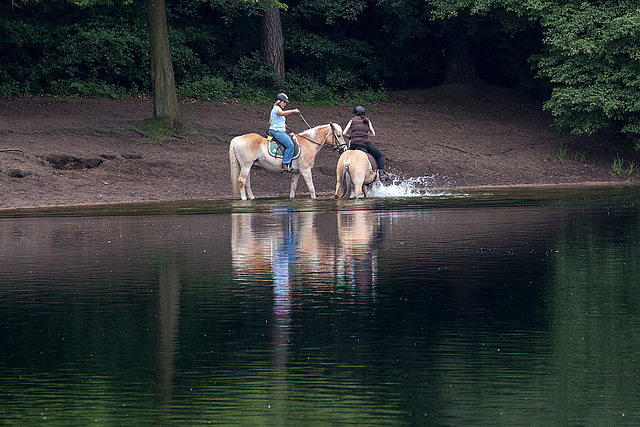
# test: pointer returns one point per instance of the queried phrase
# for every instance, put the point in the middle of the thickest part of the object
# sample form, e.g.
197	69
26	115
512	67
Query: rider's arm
371	131
282	112
346	129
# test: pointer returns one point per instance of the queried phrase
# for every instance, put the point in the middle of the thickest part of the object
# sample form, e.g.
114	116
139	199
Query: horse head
336	139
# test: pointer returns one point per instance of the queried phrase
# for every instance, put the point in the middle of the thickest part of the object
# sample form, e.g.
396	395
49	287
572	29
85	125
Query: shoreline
170	206
89	154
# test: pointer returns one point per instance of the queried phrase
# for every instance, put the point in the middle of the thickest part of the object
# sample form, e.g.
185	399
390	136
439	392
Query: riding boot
383	176
286	167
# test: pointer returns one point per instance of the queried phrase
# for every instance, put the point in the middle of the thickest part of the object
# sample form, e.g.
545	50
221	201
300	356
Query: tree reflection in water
167	315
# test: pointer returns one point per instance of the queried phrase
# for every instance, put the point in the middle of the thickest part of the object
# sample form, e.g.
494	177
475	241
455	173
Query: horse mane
313	132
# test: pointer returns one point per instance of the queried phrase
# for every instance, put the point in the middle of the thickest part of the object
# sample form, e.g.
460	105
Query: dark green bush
61	49
306	89
208	88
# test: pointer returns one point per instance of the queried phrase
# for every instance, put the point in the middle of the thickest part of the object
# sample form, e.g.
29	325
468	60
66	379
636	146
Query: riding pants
286	141
371	149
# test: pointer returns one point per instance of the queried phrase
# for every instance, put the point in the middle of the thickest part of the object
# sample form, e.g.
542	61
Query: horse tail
345	181
234	166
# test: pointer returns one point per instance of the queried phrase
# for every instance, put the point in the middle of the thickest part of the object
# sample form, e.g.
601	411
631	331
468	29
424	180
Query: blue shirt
278	123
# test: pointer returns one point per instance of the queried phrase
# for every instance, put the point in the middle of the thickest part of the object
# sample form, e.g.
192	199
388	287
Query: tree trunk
271	44
165	100
460	61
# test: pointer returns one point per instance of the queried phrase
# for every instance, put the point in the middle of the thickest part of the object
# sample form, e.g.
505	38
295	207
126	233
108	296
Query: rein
333	134
302	117
299	135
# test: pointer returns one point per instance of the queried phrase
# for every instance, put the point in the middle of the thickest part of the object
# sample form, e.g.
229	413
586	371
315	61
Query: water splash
421	186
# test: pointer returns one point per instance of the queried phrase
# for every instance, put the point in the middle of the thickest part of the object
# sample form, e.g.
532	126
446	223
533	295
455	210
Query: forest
582	58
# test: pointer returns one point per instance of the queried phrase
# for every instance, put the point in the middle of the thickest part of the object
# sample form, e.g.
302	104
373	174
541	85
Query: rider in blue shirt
278	128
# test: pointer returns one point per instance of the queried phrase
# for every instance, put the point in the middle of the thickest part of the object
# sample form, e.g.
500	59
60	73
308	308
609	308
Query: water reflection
360	236
315	262
471	315
310	252
167	315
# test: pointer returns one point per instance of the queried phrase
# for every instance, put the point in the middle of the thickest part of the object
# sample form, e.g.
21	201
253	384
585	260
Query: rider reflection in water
283	259
360	129
278	128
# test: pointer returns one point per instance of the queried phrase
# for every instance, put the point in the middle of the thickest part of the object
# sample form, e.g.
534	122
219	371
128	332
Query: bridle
336	139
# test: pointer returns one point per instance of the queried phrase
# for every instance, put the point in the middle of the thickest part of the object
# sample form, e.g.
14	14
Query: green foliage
253	72
306	89
50	50
207	89
580	154
333	48
329	12
336	51
593	62
561	154
618	164
340	64
618	167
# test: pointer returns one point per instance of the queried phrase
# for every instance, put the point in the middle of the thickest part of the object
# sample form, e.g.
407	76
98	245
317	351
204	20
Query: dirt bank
79	151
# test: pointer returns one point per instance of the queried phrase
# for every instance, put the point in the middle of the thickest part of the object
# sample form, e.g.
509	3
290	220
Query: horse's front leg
308	179
294	184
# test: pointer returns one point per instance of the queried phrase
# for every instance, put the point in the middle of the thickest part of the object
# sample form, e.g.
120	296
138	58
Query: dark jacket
359	130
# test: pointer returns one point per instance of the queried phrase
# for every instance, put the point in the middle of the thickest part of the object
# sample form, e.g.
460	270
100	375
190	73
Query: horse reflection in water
283	246
307	252
259	243
360	234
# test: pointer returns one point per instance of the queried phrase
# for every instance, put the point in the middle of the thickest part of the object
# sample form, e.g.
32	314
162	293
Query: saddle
372	160
277	150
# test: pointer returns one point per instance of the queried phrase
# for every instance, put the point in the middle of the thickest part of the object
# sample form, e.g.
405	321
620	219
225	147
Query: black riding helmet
359	110
282	97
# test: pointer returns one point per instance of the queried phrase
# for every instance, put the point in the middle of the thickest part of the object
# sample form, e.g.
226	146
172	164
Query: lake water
491	308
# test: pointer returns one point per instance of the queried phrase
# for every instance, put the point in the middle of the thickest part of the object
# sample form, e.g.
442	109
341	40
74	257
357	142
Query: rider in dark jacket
360	129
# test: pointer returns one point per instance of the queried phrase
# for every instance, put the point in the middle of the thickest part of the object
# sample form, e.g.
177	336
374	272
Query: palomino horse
253	149
354	170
